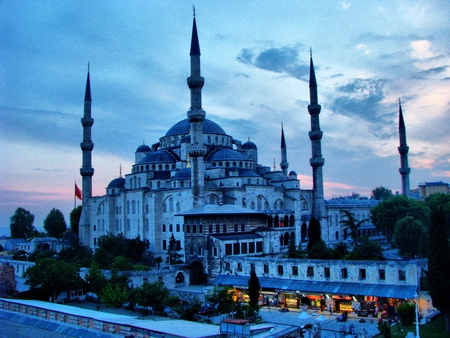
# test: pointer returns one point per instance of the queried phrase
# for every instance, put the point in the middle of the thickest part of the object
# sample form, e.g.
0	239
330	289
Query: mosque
197	171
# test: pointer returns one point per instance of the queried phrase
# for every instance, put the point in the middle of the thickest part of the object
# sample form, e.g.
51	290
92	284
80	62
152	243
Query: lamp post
416	297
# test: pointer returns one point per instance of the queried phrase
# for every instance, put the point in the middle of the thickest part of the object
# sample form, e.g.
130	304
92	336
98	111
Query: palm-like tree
350	222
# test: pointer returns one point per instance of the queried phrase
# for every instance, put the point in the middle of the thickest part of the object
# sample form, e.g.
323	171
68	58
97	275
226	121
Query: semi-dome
227	154
159	156
117	183
249	145
183	174
183	127
248	173
143	149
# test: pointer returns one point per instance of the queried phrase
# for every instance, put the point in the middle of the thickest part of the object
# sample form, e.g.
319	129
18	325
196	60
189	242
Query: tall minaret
403	151
284	165
315	135
196	116
86	170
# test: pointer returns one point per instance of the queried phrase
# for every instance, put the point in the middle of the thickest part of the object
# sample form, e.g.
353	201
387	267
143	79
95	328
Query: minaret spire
315	135
284	165
86	171
403	150
196	116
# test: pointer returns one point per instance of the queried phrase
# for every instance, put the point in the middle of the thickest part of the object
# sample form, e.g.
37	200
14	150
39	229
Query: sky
255	61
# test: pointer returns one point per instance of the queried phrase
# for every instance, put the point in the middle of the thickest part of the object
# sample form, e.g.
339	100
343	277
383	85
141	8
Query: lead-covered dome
226	154
249	145
143	149
159	156
183	127
117	183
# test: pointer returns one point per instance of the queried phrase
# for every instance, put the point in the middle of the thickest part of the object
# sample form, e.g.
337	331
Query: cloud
421	49
362	100
283	60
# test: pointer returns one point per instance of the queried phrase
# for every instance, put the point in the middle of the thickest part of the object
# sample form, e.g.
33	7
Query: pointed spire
87	95
195	45
312	73
283	141
401	122
120	170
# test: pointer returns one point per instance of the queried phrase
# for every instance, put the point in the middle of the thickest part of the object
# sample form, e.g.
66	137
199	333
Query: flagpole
75	196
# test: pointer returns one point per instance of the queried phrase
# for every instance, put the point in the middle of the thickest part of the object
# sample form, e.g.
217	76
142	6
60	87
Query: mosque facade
196	164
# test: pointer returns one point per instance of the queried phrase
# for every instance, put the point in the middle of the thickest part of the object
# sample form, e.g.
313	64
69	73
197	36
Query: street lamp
416	297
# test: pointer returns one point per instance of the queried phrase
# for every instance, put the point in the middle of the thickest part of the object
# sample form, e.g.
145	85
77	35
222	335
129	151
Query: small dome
249	145
248	173
159	156
183	127
143	149
183	174
117	183
226	154
292	173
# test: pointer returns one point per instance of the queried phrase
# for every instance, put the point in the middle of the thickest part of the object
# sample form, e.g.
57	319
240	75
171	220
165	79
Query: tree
173	254
314	232
294	251
386	213
254	289
75	215
438	263
77	253
350	222
53	277
381	193
151	295
121	263
54	223
435	202
366	250
95	279
41	252
21	224
341	248
114	295
222	298
410	237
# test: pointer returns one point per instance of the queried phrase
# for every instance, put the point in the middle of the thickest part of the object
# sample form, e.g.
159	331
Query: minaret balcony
196	115
196	150
87	146
315	135
86	171
87	121
314	109
316	161
404	171
403	149
195	82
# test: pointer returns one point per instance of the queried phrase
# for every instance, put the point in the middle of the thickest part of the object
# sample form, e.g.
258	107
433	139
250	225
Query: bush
407	314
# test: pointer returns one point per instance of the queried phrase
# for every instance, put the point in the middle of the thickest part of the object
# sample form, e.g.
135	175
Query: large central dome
183	127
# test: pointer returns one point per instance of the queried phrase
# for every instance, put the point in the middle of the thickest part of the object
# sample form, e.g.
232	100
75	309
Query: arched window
128	225
292	221
170	204
133	207
128	207
178	207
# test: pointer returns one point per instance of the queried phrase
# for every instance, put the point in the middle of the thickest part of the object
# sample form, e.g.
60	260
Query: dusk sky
255	61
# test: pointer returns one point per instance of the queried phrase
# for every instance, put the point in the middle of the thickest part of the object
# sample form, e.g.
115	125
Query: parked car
207	311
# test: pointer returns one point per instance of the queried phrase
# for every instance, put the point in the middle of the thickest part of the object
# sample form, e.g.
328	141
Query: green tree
111	246
314	232
384	328
41	252
410	237
341	248
349	222
75	215
381	193
294	251
96	280
173	252
254	289
21	224
319	250
438	263
114	295
53	277
386	213
222	298
435	202
121	263
54	223
366	250
77	253
407	314
151	295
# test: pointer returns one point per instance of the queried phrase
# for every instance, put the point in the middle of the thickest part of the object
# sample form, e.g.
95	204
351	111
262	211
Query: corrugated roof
339	288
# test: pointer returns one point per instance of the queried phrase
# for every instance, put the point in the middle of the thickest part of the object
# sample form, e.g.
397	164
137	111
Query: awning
337	288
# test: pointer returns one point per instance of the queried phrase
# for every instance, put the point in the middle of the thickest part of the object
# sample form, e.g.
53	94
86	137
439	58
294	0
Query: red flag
78	192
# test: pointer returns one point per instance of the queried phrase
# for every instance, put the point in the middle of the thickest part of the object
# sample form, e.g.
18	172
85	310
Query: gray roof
235	236
183	127
338	288
219	209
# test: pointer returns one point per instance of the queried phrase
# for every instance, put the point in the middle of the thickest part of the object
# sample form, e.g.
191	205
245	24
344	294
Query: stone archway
179	279
198	276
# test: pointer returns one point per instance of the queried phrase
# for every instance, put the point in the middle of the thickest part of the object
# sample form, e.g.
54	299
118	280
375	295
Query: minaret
403	151
315	135
196	116
284	165
86	170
